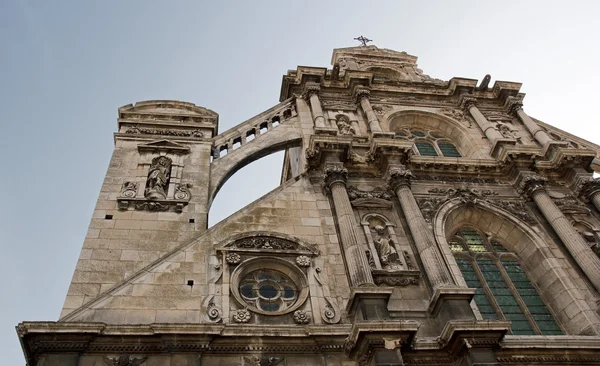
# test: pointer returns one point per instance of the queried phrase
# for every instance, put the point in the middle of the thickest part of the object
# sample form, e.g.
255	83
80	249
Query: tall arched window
503	289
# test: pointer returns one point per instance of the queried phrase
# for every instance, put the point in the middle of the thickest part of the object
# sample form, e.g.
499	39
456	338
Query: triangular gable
565	136
164	145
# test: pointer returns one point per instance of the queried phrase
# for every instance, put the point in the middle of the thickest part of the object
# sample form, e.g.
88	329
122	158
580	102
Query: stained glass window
268	290
503	290
426	149
448	149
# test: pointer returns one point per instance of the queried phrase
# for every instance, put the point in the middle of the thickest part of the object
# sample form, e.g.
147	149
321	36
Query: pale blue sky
66	66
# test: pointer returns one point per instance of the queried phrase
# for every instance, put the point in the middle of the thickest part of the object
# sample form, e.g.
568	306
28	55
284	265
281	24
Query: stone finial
398	175
335	172
466	101
530	183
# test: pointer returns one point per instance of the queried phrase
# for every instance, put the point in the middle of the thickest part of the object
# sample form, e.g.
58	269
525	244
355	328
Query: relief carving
301	317
159	174
135	130
129	190
377	198
124	360
262	360
344	127
388	256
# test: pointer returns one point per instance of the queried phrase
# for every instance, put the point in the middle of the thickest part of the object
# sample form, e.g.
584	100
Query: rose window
268	290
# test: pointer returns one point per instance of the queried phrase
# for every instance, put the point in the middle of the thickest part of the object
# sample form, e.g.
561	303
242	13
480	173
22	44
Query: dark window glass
448	149
426	149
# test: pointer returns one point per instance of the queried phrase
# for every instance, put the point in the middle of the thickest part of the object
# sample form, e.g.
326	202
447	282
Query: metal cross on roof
363	40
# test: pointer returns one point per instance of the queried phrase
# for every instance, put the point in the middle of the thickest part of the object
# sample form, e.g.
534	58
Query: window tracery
429	142
503	289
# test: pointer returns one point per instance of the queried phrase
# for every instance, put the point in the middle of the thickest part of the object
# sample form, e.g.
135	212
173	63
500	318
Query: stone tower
418	222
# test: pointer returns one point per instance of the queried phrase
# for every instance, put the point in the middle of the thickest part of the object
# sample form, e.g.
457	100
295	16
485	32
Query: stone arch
426	118
284	137
302	246
535	255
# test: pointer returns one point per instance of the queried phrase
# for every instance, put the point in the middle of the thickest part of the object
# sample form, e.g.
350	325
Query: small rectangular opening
190	283
108	217
192	221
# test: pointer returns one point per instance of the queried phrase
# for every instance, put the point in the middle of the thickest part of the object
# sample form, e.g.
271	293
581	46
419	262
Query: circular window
269	286
268	290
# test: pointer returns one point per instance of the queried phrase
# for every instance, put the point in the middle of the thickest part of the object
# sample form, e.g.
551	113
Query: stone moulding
383	277
143	204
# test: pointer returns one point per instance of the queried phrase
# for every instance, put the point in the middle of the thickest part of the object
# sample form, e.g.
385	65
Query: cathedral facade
418	222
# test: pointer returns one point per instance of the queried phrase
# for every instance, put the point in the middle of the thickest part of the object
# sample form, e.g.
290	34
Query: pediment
574	142
266	242
164	145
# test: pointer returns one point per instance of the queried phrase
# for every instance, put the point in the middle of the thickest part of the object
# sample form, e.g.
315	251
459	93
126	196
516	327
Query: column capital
528	183
334	172
398	175
361	93
513	104
586	187
466	101
311	88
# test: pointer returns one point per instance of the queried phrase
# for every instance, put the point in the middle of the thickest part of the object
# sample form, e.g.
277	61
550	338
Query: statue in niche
343	125
387	254
158	178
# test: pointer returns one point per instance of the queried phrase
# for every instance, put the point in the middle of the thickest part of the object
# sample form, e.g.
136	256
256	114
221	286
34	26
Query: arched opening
447	137
250	183
483	243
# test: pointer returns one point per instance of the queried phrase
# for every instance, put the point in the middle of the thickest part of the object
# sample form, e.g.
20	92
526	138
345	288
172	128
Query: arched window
503	289
429	143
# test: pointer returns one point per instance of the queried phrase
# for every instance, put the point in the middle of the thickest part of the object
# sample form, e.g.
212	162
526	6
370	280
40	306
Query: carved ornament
344	127
530	184
310	89
214	312
124	360
361	93
381	109
338	105
262	360
466	102
399	176
335	173
514	105
233	258
240	316
301	317
587	187
395	278
377	198
571	205
136	130
457	179
303	261
182	191
129	190
265	243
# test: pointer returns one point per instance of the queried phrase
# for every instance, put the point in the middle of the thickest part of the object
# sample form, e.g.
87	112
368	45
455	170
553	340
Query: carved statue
344	126
158	178
387	254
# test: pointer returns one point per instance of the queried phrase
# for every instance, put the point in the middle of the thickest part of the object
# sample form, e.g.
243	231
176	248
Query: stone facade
418	222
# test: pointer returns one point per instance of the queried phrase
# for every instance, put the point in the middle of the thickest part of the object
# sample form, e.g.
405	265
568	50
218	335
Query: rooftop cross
363	40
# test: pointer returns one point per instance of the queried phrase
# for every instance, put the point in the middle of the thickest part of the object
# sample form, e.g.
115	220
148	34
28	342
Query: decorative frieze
124	360
262	360
136	130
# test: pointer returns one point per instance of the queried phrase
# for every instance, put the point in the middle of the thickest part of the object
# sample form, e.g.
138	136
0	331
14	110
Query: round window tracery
268	290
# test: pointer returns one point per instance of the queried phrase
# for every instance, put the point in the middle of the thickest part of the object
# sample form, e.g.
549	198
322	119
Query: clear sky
66	66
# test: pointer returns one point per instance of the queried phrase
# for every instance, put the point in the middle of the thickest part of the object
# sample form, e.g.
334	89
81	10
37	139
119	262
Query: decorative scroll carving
301	317
338	105
182	191
240	315
388	279
399	176
531	183
571	205
129	190
152	206
377	198
330	313
262	360
335	173
214	312
158	178
344	127
430	205
265	243
135	130
124	360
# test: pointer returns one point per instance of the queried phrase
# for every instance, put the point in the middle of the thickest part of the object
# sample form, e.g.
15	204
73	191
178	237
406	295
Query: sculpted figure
344	126
387	254
158	178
